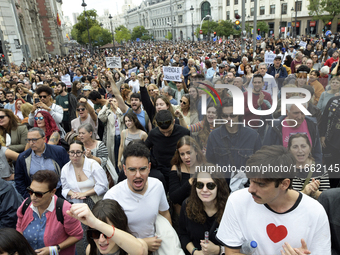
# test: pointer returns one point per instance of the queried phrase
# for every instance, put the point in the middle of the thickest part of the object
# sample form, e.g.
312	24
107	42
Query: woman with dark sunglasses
188	114
86	115
39	222
108	227
202	212
45	121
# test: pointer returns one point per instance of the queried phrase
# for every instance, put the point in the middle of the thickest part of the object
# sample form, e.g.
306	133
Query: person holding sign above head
269	81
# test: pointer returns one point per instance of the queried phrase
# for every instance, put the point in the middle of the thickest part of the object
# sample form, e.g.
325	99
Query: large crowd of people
126	160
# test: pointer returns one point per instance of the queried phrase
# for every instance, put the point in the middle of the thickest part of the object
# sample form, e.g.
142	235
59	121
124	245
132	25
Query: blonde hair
26	108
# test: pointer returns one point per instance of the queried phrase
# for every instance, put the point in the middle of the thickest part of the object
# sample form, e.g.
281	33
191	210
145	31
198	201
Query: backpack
59	208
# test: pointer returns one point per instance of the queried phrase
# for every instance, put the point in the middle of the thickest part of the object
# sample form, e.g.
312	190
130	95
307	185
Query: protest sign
269	57
67	80
132	70
113	62
172	73
303	44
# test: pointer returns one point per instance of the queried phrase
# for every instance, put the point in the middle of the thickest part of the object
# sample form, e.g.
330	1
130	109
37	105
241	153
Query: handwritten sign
269	58
303	44
113	62
67	80
172	73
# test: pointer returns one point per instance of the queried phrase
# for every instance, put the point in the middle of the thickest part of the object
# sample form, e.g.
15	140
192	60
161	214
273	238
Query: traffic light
329	23
258	31
237	21
215	34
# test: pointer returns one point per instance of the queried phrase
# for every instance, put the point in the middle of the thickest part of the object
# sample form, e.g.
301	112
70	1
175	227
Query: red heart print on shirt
276	233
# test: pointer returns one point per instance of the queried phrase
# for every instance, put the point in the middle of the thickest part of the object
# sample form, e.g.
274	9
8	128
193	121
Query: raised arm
115	91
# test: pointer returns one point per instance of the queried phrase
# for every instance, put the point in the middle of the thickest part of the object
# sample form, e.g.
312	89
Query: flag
220	41
58	20
67	36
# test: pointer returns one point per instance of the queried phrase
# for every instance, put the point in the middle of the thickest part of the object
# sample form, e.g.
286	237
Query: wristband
193	250
53	250
58	247
114	230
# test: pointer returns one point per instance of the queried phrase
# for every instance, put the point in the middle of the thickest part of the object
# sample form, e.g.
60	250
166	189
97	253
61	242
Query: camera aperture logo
238	103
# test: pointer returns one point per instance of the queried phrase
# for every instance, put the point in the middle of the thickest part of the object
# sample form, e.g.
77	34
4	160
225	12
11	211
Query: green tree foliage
224	28
80	29
324	10
99	36
169	36
263	26
122	34
141	33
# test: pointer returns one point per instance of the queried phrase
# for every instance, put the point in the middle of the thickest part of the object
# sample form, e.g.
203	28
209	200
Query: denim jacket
222	147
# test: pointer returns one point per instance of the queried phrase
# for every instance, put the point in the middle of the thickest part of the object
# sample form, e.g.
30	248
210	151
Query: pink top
55	232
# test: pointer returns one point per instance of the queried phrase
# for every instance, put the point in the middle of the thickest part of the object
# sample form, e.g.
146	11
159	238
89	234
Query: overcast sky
71	6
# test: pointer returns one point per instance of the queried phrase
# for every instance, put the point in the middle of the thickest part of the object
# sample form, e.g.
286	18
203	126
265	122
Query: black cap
278	57
164	119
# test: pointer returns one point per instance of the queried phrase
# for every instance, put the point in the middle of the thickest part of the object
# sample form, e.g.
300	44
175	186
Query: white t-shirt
134	85
243	219
141	210
269	83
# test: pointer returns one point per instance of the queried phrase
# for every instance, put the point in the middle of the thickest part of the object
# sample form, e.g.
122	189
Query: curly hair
195	208
125	93
50	124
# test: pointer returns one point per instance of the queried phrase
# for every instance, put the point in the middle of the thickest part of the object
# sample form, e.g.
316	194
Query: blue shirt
10	107
34	233
141	118
77	78
173	101
42	163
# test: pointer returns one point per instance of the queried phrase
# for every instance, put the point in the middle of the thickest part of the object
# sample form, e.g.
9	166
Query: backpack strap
59	210
25	206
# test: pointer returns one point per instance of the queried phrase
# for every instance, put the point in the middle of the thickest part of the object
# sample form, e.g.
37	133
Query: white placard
113	62
269	58
172	73
67	80
303	44
132	70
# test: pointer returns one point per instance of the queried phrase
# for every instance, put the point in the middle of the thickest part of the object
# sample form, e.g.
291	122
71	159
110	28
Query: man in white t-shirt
272	214
269	80
140	196
134	83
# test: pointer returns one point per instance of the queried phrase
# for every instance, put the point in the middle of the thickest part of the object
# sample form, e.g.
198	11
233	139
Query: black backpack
59	208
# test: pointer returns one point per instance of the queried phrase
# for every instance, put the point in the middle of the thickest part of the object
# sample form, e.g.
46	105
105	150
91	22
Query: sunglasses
38	118
80	109
2	117
210	185
38	194
228	115
42	96
95	234
150	90
183	102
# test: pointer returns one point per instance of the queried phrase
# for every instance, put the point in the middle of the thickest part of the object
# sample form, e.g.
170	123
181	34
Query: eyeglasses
209	185
43	96
81	109
78	153
164	123
33	140
141	170
38	194
226	116
38	118
181	101
2	117
94	233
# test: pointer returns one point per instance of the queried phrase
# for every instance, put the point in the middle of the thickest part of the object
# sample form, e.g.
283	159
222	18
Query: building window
228	15
235	12
228	2
251	0
179	6
205	9
272	9
235	2
262	10
180	19
298	6
284	8
252	11
245	13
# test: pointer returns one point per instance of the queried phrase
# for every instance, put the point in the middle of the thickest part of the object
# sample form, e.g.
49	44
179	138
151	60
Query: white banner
67	80
303	44
172	73
113	62
269	58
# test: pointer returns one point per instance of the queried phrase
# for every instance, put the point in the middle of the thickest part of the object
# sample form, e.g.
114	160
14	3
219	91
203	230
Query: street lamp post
280	34
295	32
87	25
291	21
113	37
206	16
192	22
